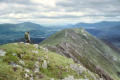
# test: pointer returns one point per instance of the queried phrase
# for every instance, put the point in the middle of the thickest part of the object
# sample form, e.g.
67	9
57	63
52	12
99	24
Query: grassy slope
92	49
58	66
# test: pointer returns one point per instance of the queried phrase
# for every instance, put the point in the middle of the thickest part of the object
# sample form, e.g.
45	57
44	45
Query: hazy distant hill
11	32
106	30
111	34
99	25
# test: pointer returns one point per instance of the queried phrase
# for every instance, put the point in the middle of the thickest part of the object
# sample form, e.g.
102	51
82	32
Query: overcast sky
59	11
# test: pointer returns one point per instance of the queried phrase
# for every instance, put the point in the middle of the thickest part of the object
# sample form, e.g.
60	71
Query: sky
59	11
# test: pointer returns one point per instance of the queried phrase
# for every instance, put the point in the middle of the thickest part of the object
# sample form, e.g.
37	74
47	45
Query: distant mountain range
13	32
99	25
106	30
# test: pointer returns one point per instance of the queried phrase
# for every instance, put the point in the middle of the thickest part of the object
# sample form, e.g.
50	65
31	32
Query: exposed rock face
87	50
69	51
77	68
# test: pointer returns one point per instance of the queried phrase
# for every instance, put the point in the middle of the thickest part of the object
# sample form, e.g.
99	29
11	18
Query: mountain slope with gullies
85	49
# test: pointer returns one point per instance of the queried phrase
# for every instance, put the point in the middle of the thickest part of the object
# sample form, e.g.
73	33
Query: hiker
27	37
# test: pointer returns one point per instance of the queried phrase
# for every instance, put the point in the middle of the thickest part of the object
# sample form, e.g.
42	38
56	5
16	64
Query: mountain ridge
83	47
11	32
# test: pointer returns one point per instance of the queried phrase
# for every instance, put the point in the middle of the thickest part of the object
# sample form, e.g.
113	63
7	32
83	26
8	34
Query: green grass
58	66
7	73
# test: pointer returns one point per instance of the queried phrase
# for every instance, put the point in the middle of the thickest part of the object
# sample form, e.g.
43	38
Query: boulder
15	43
45	49
13	64
36	46
22	42
22	62
27	44
2	53
27	70
35	51
37	67
26	75
44	65
14	54
31	77
70	77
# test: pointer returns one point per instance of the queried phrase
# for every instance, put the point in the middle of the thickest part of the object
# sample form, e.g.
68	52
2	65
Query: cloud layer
59	11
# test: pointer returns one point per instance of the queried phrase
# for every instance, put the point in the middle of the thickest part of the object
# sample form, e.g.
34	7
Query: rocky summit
87	50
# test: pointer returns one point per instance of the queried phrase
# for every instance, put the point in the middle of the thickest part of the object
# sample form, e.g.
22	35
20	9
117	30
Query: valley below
108	31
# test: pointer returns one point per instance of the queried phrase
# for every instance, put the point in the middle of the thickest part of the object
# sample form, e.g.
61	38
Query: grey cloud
96	6
16	1
96	9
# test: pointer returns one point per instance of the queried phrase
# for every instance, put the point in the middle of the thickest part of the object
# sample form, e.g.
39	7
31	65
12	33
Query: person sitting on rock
27	37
